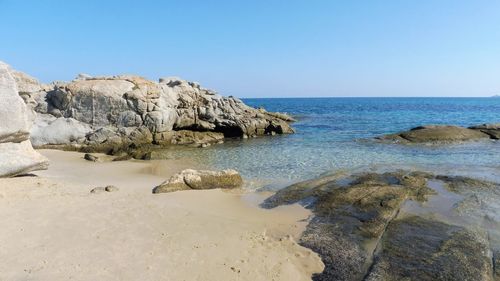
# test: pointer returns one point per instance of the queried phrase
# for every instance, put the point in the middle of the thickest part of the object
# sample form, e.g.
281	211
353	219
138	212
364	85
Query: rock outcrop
444	134
16	153
376	226
117	111
493	130
200	179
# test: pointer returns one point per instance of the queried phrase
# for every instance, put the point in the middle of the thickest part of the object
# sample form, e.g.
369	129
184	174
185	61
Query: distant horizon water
369	97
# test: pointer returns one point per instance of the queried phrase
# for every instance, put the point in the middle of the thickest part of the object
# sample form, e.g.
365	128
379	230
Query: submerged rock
200	179
436	134
16	153
364	230
493	130
416	248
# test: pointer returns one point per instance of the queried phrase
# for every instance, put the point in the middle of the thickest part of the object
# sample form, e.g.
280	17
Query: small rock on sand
111	188
100	189
90	157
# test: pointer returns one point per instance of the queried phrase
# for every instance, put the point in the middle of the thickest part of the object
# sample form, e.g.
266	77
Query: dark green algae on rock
364	230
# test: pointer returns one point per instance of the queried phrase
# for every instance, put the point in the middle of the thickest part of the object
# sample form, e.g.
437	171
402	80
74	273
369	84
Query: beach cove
124	178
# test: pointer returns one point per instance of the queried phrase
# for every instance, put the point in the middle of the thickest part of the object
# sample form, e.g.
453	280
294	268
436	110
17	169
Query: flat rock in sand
200	179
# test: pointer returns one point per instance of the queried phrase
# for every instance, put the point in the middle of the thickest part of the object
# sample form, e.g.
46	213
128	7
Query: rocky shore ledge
115	114
402	225
440	134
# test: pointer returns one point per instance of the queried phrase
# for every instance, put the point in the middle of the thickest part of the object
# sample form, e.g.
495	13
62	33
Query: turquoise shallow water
336	134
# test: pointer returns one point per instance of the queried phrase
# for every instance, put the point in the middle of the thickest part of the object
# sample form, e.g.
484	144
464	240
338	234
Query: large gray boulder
17	156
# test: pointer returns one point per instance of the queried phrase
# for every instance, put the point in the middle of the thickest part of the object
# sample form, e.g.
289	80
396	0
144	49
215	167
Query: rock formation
200	179
493	130
444	134
16	153
400	225
102	113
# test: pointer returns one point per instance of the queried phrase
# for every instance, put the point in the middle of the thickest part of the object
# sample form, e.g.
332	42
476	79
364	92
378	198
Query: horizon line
404	97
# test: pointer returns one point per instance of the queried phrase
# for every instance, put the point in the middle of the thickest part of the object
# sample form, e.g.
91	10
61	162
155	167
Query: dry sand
52	228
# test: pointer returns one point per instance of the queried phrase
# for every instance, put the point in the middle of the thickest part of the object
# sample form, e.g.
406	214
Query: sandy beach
53	228
249	140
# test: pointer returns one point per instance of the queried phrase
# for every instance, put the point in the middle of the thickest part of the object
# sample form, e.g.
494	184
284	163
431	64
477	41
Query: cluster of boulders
103	113
444	134
17	156
401	225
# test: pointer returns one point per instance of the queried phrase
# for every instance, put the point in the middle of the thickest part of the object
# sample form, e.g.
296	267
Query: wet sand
53	228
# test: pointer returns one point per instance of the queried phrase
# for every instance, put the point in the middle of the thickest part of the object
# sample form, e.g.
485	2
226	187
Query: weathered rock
26	83
48	129
279	115
113	107
201	179
493	130
423	249
16	153
188	137
20	158
90	157
435	134
119	142
355	213
14	114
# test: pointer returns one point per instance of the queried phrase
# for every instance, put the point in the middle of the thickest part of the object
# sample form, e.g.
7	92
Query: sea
337	134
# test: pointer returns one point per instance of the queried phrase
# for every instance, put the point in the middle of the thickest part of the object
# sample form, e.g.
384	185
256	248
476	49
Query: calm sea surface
336	134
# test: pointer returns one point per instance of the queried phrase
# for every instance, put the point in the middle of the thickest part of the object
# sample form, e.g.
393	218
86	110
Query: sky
267	48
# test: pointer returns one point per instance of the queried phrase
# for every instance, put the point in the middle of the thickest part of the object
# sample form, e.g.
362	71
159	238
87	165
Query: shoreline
51	220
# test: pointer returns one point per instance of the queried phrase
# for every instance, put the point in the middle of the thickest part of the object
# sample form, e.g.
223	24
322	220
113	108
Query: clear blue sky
265	48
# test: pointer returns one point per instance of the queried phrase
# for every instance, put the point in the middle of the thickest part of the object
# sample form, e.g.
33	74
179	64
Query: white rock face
20	158
17	156
48	129
14	115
